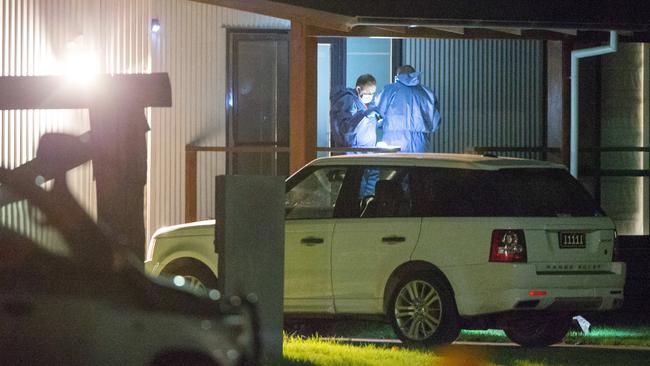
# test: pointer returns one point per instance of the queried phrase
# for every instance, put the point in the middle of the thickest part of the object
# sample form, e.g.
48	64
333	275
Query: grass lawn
315	351
606	336
613	335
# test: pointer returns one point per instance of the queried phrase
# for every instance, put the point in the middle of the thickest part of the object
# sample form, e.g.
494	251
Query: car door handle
393	239
311	241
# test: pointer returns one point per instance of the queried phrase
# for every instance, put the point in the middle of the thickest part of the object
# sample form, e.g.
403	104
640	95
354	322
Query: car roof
440	160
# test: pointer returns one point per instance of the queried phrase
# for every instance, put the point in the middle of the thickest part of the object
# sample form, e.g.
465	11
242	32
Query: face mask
366	98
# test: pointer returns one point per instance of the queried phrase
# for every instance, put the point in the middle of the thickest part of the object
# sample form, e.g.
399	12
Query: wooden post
302	96
557	113
190	184
567	47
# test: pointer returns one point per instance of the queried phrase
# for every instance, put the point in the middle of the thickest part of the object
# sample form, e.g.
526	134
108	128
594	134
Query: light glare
80	67
384	145
214	294
179	281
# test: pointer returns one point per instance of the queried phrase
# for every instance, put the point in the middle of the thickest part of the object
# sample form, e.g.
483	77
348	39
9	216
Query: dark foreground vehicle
68	296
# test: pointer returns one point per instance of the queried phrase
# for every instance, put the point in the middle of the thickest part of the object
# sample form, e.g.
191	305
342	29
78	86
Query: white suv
432	243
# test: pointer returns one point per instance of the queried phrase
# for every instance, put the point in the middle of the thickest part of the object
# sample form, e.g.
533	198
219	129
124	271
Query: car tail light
508	246
536	293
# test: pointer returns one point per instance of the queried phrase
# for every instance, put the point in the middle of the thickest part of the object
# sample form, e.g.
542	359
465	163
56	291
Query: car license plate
572	240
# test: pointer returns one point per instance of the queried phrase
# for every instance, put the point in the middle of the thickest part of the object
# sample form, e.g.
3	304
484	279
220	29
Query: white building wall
37	37
34	36
624	123
192	48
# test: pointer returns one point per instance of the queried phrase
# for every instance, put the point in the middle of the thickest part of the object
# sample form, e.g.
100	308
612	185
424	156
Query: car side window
527	192
384	192
314	197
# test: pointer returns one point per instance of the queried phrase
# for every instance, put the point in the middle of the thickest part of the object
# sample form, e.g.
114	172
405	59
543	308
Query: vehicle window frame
306	172
353	185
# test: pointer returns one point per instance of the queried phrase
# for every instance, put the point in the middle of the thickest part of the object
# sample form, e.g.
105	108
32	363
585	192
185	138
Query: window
315	196
383	192
257	100
505	192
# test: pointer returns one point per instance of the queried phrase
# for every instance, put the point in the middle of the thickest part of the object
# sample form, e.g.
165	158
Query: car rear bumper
499	287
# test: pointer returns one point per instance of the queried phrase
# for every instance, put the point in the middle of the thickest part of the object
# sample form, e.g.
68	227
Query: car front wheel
196	278
422	311
539	332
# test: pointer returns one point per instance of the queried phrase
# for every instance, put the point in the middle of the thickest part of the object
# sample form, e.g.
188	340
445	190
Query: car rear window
505	192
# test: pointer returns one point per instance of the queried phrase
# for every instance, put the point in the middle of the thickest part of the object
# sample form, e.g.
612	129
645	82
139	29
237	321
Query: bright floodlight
81	67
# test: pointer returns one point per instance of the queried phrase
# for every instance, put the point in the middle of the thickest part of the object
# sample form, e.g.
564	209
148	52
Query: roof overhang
549	19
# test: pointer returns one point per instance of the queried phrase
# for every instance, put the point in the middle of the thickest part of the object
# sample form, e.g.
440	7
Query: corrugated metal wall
124	35
191	47
37	37
34	36
490	91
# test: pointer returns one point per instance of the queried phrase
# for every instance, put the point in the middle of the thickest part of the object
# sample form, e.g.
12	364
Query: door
258	101
310	203
331	64
370	242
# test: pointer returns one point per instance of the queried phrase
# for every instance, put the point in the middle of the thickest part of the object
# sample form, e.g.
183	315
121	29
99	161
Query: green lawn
319	352
620	336
315	351
614	335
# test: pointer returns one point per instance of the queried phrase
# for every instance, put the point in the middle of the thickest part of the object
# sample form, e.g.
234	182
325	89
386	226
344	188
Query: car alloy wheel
195	277
195	285
418	310
422	310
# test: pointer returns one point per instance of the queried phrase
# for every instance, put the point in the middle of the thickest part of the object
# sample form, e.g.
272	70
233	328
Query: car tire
539	332
198	277
423	312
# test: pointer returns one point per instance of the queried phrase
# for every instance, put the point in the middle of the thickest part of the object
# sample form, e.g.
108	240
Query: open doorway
340	61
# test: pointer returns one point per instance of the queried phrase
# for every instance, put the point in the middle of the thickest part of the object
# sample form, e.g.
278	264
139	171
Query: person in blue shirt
410	112
353	116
